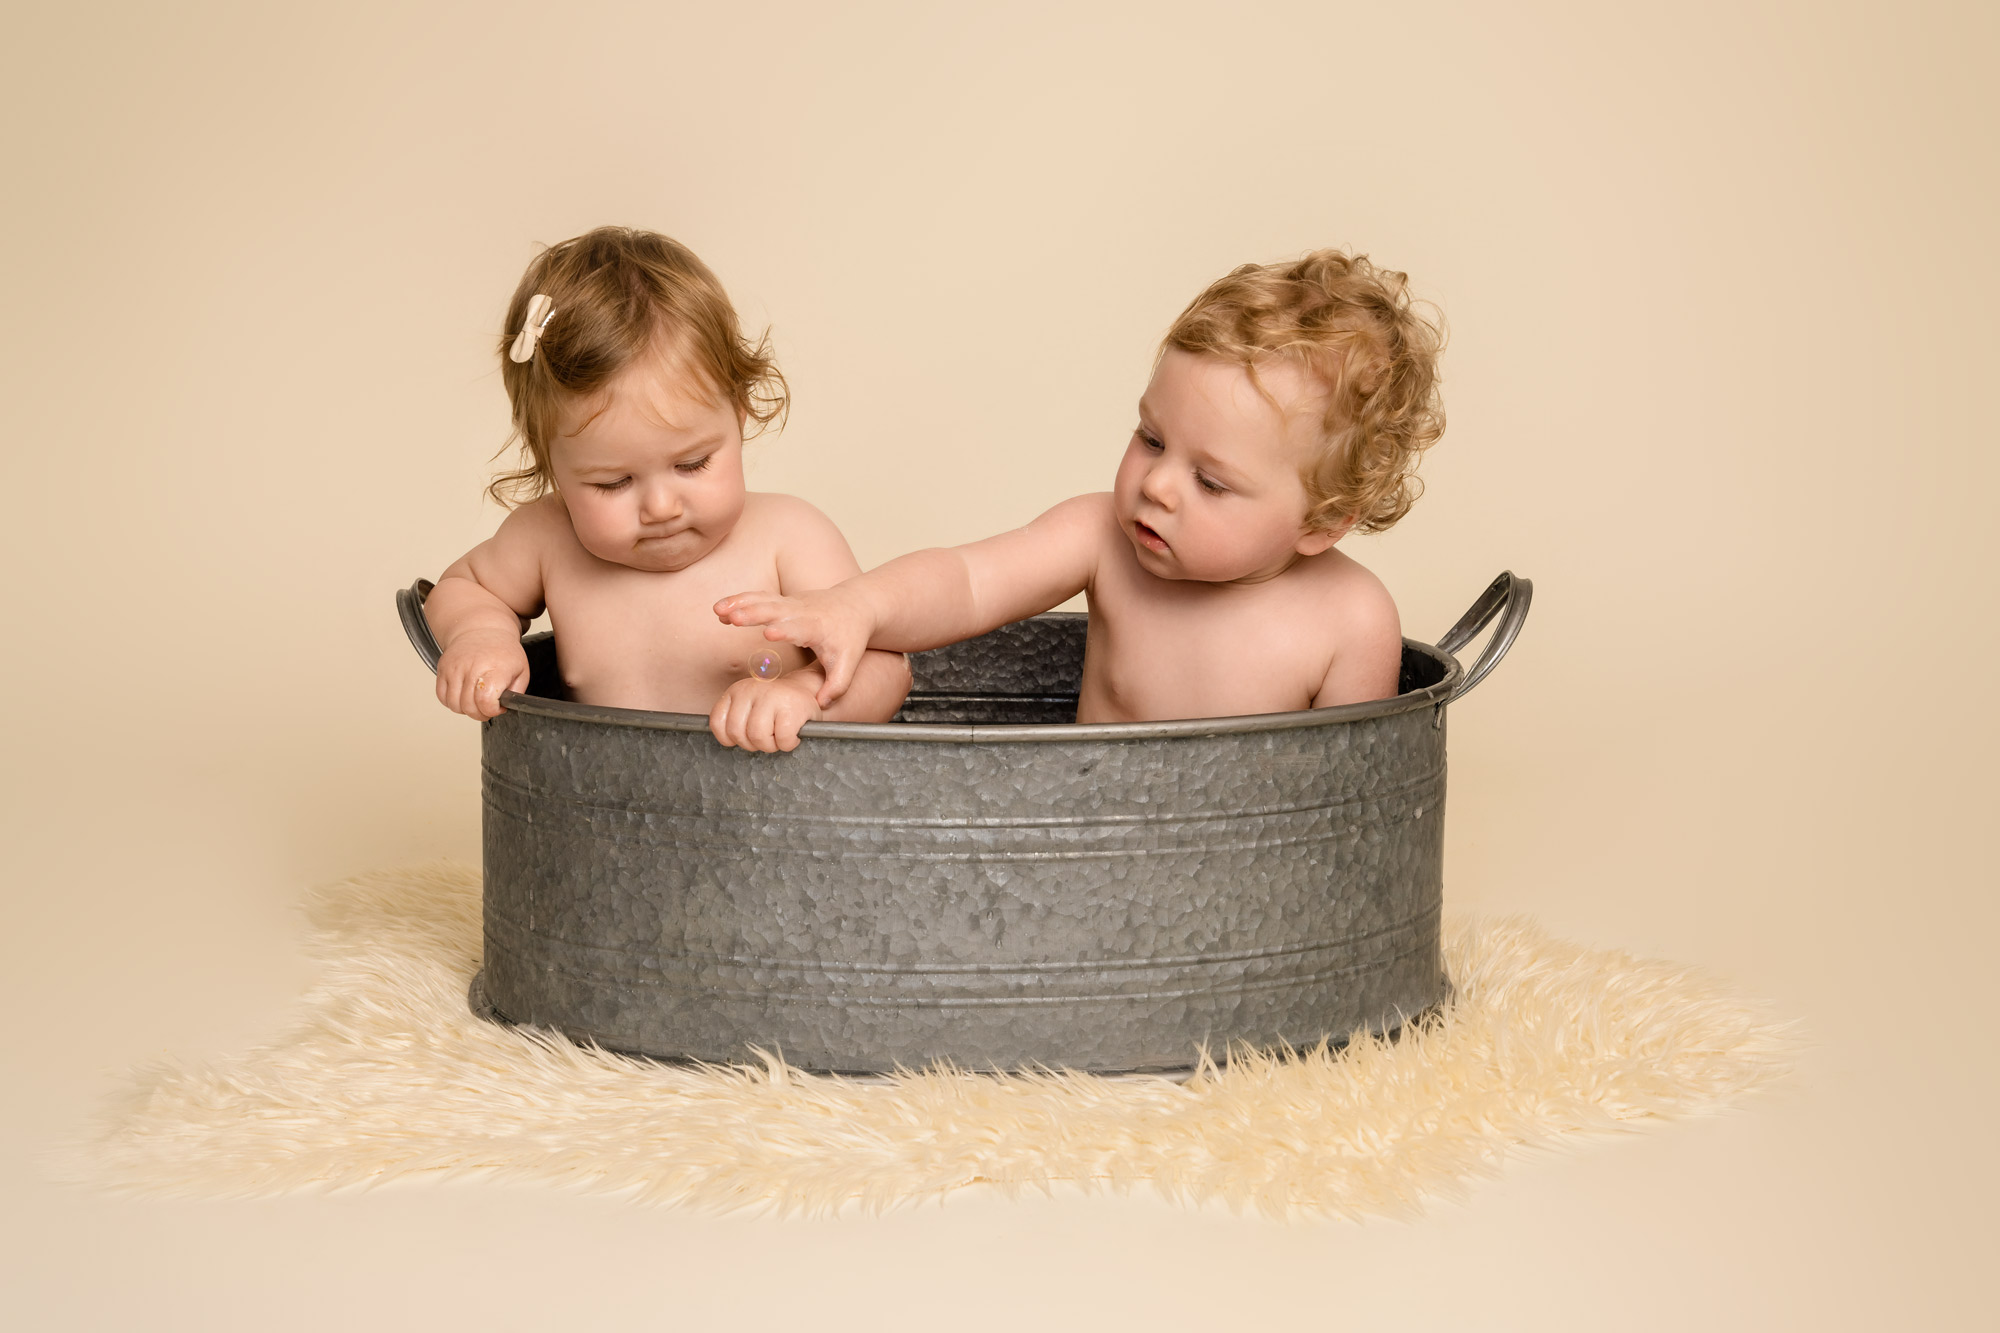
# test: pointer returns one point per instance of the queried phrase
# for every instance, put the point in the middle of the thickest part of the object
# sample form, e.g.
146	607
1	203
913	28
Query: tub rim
1506	600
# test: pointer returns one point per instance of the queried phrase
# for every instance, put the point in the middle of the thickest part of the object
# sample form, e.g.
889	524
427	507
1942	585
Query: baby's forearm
922	600
881	682
458	606
928	599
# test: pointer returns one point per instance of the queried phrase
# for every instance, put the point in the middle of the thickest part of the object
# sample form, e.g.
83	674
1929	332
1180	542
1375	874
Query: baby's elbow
889	684
897	681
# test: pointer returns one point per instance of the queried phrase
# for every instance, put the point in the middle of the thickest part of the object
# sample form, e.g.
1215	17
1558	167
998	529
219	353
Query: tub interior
1026	673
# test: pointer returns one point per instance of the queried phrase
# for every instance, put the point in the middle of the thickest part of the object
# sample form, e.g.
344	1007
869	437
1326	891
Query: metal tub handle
1506	597
410	606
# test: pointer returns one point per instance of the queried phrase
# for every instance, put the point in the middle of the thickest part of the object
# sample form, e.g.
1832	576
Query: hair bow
540	311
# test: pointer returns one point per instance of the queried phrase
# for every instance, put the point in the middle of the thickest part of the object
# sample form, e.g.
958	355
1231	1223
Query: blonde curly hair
1353	327
616	293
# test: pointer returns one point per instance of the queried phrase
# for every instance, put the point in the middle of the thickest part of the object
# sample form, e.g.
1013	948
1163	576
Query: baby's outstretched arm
767	714
931	598
477	611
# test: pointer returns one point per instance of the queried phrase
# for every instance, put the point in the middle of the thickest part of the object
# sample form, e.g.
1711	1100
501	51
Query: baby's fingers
740	725
457	690
785	728
760	727
779	728
839	669
477	688
718	718
751	608
495	683
486	688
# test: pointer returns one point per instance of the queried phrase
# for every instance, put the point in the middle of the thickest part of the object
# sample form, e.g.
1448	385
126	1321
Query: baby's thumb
839	675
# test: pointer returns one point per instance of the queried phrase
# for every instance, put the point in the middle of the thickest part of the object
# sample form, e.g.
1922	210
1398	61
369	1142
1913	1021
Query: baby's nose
1157	488
659	502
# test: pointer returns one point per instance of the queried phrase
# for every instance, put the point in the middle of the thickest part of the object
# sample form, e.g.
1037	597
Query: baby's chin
661	555
1168	565
1161	564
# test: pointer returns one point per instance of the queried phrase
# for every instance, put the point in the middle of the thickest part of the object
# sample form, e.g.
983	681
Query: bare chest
633	639
1158	649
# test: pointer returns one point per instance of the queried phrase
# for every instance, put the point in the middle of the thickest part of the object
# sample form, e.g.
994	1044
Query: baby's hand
477	668
833	627
766	714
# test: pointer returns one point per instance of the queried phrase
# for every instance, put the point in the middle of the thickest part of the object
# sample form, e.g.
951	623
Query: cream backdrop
1720	281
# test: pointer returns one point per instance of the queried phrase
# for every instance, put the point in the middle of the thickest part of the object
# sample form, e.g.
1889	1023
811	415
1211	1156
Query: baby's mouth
1148	538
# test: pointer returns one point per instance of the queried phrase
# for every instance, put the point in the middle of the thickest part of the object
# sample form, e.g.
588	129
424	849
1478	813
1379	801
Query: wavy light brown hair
1353	327
617	294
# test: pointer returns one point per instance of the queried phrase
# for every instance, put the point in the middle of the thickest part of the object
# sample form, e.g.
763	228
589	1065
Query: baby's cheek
601	535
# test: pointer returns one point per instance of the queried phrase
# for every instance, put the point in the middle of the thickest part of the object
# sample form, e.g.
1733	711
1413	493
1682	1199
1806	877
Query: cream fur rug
387	1074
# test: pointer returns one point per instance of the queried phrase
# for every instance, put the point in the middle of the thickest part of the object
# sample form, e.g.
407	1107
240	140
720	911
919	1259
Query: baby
631	386
1288	406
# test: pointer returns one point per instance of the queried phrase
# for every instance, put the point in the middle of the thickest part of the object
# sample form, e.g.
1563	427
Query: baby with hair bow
632	386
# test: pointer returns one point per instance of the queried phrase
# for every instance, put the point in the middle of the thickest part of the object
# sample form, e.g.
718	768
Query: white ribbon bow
540	311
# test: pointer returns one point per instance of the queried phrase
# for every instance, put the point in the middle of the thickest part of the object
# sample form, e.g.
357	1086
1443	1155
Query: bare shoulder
785	521
1364	633
1083	517
538	523
528	535
1094	508
1070	532
773	507
1355	602
809	550
514	563
1077	534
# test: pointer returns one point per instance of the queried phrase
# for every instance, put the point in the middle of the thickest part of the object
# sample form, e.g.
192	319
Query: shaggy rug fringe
388	1074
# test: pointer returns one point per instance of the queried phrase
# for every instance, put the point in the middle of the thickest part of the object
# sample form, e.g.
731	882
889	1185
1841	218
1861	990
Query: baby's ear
1318	541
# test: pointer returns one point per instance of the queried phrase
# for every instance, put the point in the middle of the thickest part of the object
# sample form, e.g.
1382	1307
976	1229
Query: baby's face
1210	487
654	479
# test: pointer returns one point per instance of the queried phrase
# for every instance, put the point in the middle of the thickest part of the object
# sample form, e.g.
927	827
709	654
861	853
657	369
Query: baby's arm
930	598
477	610
767	715
818	557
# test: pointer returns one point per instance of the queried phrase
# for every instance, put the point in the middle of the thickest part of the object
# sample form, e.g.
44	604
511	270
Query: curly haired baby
1288	406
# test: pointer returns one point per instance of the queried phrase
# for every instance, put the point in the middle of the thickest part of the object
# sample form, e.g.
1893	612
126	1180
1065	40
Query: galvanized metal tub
980	882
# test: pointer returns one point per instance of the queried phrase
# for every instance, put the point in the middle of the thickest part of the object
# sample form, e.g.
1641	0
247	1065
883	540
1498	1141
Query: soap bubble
766	665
